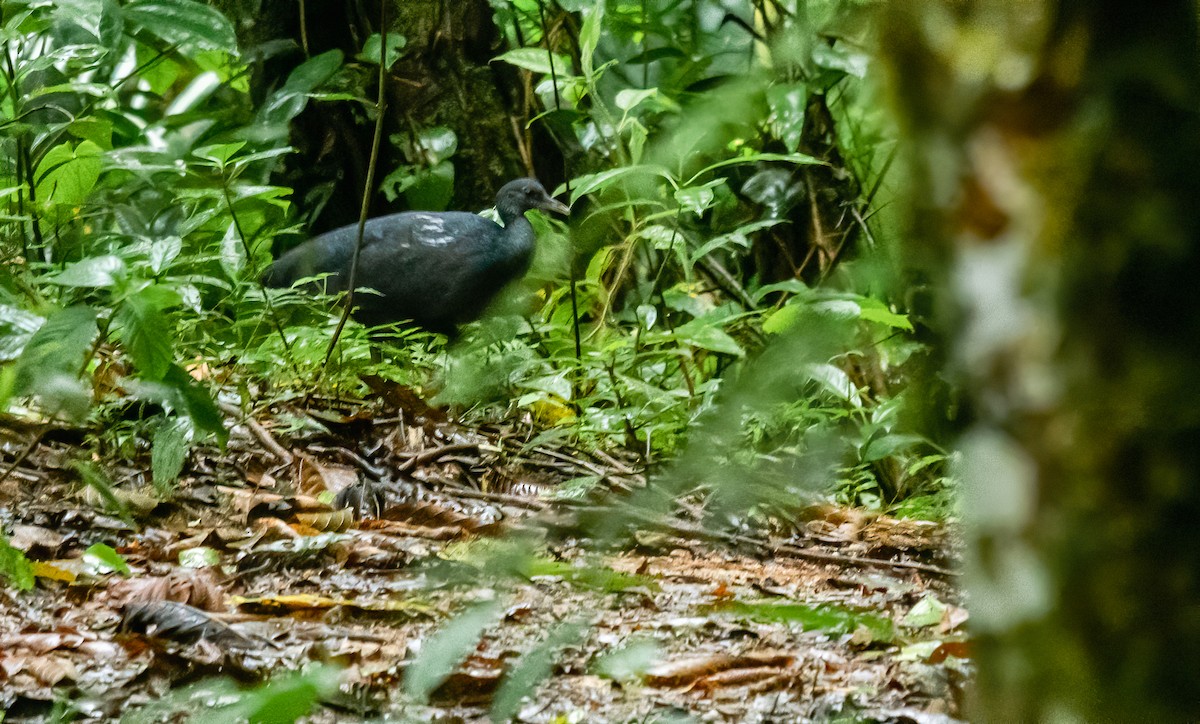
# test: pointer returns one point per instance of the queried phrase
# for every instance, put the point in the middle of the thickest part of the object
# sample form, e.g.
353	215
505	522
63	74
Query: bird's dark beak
551	204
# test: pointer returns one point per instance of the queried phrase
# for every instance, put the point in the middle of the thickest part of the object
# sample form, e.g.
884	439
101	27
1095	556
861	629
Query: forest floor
358	537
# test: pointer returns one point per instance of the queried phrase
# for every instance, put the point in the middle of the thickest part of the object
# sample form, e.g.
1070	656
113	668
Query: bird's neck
510	214
518	234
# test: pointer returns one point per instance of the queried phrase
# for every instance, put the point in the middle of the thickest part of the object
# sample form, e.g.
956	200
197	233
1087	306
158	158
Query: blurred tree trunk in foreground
1055	148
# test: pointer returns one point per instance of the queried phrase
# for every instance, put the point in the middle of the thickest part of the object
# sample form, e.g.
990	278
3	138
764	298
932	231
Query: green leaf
800	159
287	102
144	330
98	272
90	128
16	329
698	199
285	699
873	310
840	57
199	557
371	50
220	153
584	185
66	174
197	403
885	445
707	335
787	103
169	450
925	613
629	98
531	670
49	364
589	39
189	24
834	380
819	618
442	652
537	59
630	662
14	566
233	253
102	558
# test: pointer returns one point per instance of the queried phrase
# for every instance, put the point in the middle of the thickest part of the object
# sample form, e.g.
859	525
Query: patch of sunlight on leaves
825	617
598	578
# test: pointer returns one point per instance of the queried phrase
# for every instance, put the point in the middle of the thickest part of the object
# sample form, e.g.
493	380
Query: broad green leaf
589	39
698	199
197	403
103	559
800	159
144	330
707	335
99	272
164	251
557	385
57	346
873	310
220	153
584	185
66	174
538	60
199	557
90	128
287	102
834	380
788	103
14	566
283	700
925	613
840	57
630	662
395	49
186	23
17	326
629	98
443	651
233	253
881	447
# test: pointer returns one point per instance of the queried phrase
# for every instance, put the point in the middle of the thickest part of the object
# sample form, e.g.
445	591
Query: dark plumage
439	270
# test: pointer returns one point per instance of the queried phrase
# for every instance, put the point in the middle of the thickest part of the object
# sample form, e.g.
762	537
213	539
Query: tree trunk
444	78
1055	147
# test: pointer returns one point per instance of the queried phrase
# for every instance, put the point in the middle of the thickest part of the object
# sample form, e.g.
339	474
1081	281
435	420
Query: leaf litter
413	568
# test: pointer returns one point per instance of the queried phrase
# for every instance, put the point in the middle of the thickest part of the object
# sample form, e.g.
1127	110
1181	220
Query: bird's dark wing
427	269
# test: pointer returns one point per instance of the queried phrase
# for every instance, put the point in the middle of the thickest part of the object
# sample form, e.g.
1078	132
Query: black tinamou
439	270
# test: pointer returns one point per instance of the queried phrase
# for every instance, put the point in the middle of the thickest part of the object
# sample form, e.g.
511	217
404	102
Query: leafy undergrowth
346	564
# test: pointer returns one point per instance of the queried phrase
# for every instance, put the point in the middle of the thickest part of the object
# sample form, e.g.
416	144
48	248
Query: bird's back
436	269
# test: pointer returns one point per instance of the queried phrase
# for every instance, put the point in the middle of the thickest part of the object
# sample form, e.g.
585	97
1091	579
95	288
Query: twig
429	456
695	532
368	187
259	432
24	454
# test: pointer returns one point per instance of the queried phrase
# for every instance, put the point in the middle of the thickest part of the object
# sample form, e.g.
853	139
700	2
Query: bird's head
517	197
